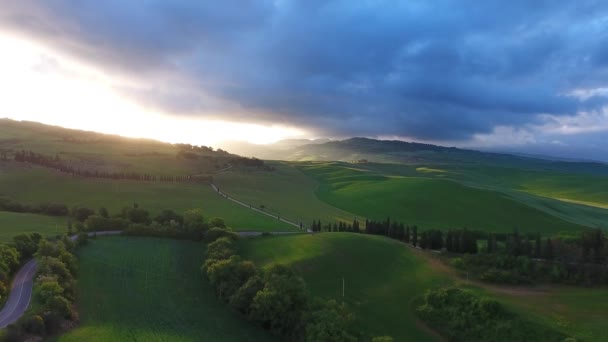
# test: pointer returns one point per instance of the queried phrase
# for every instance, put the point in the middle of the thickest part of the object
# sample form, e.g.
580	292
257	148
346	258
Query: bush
33	324
462	316
216	233
82	213
100	223
61	306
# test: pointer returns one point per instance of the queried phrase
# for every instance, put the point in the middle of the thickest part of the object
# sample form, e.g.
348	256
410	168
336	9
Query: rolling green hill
430	202
381	276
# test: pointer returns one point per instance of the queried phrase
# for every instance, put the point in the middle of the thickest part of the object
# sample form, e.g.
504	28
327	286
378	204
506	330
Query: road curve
21	291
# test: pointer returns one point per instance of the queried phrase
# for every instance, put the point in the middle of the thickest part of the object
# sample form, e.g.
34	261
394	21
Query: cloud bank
463	72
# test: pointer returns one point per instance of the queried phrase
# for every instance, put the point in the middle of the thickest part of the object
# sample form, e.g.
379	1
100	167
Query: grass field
578	312
12	224
430	202
145	289
382	276
285	191
38	185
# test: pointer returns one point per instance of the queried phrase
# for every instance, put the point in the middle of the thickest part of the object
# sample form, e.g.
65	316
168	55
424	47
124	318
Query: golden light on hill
41	85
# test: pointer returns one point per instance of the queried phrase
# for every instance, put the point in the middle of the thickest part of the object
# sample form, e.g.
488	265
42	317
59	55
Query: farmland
286	191
12	224
38	185
430	202
145	289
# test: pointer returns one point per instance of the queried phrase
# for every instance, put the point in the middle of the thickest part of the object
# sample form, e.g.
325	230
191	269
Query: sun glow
40	85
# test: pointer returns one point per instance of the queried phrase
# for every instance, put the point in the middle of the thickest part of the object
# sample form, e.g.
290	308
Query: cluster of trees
336	227
249	162
191	225
393	230
54	288
461	315
22	248
51	209
460	241
195	148
516	259
276	298
58	164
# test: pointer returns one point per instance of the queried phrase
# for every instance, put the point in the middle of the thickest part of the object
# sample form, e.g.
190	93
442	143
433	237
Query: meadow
575	311
30	184
382	277
146	289
286	191
12	224
429	202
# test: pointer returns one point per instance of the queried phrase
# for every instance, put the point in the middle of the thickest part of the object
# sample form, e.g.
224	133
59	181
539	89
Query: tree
242	299
228	275
25	245
415	236
47	289
549	249
329	322
281	304
9	256
82	213
103	212
537	247
167	216
216	233
217	222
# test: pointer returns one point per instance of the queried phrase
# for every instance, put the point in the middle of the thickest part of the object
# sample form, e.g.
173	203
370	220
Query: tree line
60	165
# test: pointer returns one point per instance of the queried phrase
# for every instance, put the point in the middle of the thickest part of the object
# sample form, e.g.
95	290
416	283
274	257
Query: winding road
21	290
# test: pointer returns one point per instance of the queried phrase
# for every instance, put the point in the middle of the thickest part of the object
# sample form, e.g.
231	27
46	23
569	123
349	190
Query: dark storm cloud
440	70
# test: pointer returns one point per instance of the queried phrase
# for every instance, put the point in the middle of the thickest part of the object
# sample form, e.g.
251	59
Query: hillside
96	152
411	153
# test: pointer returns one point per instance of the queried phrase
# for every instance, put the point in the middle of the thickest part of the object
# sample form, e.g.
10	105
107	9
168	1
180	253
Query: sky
517	76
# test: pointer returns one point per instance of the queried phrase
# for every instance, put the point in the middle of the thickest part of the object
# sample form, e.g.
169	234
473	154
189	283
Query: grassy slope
12	224
382	277
576	311
285	191
101	152
430	202
38	185
144	289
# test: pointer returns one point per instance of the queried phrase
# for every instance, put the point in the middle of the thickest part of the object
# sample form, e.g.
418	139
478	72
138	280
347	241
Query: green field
146	289
429	202
12	224
286	191
382	277
578	312
39	185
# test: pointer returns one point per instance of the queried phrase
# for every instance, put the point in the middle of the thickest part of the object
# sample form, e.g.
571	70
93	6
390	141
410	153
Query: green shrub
216	233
